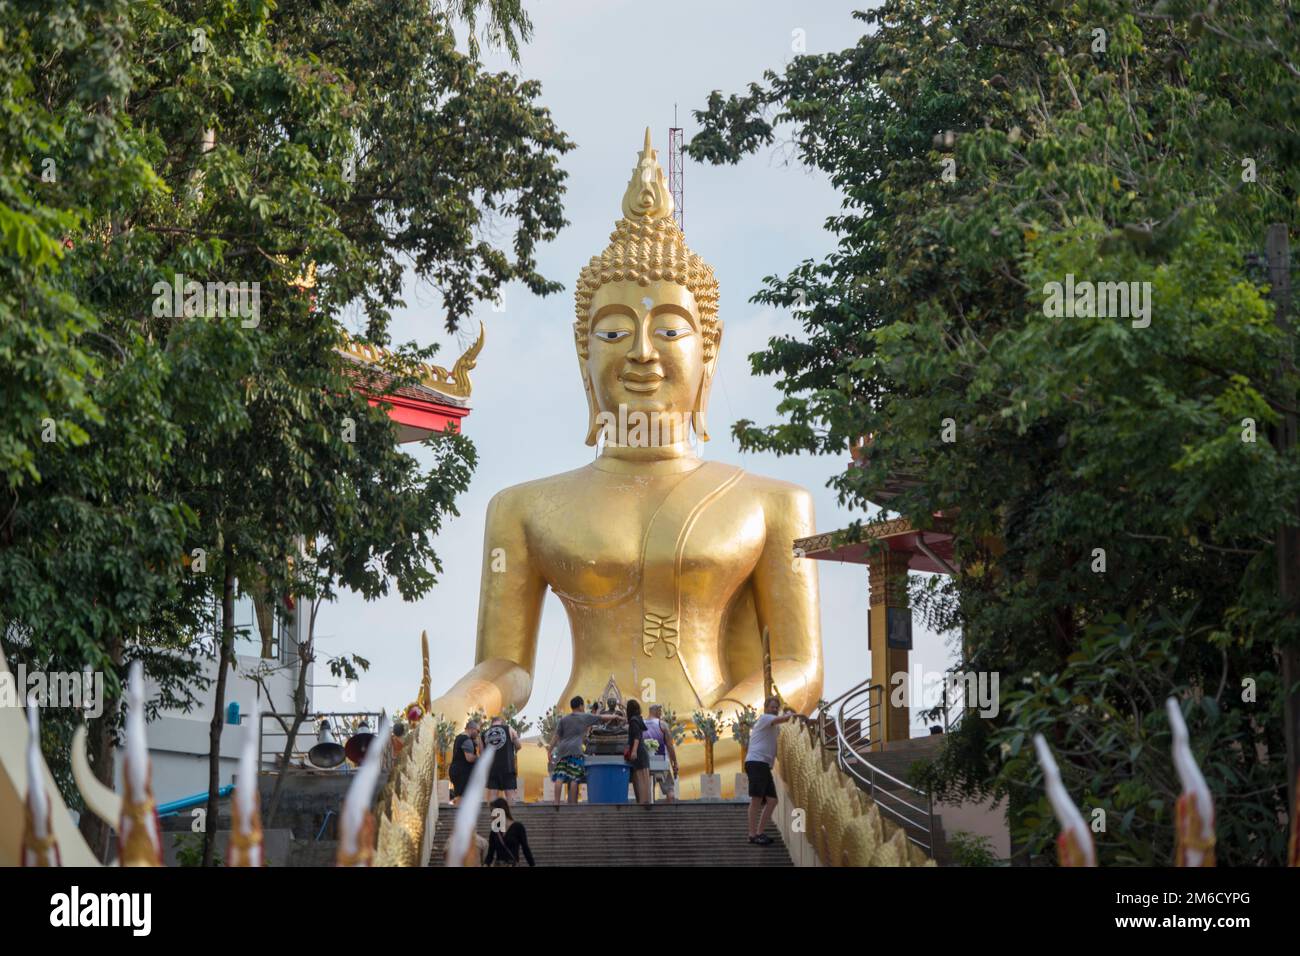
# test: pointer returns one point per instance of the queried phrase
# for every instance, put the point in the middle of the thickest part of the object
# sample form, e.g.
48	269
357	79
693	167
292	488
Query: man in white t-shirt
658	730
758	767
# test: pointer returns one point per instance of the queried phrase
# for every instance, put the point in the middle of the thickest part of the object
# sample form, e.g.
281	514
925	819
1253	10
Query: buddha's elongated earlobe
594	426
701	427
706	386
701	404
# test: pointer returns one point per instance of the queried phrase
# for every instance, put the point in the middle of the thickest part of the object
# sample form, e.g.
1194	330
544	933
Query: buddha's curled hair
647	246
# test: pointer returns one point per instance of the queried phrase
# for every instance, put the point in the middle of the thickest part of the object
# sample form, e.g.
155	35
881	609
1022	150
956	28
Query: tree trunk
1019	852
1288	538
219	704
100	744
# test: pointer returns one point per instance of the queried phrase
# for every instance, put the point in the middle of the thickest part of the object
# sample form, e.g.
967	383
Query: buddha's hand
488	689
791	679
731	708
452	707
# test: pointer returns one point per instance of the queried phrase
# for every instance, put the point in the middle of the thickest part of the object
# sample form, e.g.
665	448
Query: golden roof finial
647	195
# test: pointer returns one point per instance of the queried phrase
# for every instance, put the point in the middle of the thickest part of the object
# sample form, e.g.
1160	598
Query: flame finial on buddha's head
647	195
647	246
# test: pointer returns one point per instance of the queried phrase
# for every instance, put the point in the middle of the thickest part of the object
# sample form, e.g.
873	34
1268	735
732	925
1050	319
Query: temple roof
375	379
436	383
435	403
921	546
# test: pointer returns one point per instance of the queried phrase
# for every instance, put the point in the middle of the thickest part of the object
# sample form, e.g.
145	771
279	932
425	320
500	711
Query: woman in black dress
637	755
506	845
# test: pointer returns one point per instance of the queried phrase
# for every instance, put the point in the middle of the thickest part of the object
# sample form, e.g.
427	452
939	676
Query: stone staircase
900	756
691	833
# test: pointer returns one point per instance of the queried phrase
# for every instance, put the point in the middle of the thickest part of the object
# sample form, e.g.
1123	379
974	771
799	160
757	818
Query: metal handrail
856	687
825	708
850	753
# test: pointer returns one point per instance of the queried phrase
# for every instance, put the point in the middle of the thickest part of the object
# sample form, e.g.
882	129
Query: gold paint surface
668	567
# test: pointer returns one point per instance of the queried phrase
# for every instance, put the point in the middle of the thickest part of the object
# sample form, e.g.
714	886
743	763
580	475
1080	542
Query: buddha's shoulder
523	496
775	493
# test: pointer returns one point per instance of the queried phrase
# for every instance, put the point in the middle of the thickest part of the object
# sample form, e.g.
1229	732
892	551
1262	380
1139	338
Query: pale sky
608	70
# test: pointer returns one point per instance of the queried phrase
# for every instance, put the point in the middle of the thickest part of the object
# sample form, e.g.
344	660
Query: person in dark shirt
463	754
503	774
637	755
508	839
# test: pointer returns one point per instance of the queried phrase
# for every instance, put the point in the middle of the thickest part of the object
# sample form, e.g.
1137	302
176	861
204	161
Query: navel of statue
668	567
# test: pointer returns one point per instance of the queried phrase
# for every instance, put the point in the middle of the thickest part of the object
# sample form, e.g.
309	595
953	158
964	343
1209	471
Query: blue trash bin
607	780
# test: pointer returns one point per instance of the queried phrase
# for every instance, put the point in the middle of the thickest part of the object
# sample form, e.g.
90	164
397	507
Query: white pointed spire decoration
138	830
462	832
1194	813
39	845
1074	846
245	847
356	822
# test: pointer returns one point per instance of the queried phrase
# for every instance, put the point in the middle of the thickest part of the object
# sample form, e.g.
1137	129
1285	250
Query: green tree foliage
983	150
89	536
236	143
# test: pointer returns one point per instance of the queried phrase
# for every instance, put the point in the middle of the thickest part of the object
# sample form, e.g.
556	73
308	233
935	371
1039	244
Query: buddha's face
644	349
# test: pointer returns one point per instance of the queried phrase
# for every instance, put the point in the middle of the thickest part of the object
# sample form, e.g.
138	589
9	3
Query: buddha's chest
600	547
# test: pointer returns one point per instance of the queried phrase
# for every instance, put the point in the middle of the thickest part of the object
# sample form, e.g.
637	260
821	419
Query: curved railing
855	732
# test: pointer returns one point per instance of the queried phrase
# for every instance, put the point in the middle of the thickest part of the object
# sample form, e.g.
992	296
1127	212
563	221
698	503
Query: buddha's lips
638	384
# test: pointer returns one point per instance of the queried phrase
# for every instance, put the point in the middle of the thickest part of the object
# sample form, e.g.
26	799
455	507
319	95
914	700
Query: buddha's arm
509	611
785	598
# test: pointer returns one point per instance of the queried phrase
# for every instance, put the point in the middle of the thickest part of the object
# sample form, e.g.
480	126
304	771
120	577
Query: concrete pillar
889	636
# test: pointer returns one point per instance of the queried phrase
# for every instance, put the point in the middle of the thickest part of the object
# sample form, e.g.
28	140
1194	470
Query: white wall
178	741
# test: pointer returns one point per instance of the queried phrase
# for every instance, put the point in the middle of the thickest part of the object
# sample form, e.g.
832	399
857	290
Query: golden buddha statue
669	567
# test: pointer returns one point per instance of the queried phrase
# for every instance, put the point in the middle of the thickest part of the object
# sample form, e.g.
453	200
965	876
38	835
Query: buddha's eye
611	335
673	334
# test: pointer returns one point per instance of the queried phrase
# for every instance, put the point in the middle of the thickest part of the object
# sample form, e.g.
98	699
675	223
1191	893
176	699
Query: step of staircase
688	833
897	764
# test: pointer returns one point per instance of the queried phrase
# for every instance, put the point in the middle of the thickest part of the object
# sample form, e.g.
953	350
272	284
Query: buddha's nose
643	349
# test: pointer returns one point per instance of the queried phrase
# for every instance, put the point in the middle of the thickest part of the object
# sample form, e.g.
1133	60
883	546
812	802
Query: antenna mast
676	148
